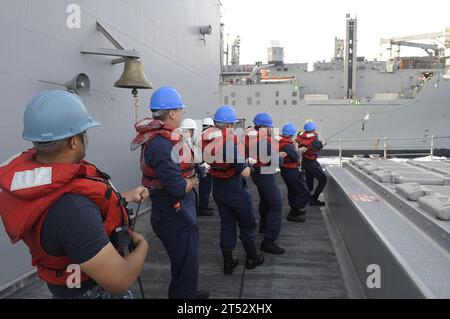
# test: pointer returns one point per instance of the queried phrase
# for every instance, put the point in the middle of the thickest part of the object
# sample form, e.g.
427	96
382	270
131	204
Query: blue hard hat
225	114
166	98
56	115
310	126
289	129
263	119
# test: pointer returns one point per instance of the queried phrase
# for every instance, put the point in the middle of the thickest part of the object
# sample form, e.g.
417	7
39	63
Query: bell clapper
137	104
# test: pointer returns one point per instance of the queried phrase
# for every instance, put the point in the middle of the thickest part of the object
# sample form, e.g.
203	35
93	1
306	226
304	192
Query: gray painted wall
36	45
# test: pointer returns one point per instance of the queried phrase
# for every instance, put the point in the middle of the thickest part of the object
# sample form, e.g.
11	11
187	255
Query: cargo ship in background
360	102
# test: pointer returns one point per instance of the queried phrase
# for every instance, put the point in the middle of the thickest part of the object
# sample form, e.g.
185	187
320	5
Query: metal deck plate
403	238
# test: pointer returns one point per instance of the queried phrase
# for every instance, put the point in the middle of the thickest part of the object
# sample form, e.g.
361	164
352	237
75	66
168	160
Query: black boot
296	216
254	261
297	212
253	258
206	212
202	294
270	247
229	263
316	202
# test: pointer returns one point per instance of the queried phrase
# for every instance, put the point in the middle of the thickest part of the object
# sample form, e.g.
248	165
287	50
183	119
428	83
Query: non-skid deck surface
308	269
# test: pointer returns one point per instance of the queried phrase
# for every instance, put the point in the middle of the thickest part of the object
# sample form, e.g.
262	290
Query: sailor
229	169
205	186
65	209
259	147
168	172
298	194
310	166
188	127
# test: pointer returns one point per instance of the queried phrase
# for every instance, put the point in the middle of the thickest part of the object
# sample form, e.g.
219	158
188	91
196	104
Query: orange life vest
306	139
148	129
288	162
213	145
255	139
28	191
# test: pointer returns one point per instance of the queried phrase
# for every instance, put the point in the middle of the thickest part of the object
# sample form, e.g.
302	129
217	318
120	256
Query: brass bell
133	76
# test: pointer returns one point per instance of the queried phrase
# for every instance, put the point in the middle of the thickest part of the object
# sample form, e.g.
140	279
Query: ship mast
350	58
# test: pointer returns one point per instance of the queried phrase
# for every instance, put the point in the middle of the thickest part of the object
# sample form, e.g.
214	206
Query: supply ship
358	104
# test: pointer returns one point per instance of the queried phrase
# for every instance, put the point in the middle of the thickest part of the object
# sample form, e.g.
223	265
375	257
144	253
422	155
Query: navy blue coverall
176	229
234	202
313	170
298	193
270	205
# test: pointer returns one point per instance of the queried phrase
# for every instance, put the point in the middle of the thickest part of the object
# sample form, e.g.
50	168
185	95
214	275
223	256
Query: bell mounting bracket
118	52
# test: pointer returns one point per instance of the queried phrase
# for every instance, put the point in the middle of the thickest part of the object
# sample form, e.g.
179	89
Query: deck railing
387	147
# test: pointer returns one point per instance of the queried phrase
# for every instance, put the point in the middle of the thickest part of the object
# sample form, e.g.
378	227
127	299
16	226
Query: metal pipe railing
389	139
432	147
387	147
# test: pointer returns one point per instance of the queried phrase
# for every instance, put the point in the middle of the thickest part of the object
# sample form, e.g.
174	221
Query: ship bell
133	76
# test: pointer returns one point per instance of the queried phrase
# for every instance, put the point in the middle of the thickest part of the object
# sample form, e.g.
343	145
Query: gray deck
309	268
